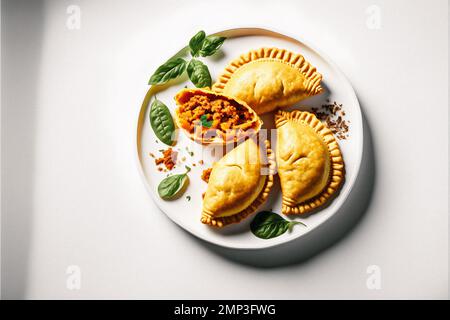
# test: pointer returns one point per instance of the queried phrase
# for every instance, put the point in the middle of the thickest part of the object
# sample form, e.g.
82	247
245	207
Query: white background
72	193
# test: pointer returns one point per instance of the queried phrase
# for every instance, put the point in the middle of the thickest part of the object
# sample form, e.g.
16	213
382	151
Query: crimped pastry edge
296	60
337	167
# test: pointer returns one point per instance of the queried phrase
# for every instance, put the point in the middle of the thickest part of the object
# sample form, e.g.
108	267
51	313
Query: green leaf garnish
211	45
196	43
162	122
268	225
199	74
172	69
173	186
199	45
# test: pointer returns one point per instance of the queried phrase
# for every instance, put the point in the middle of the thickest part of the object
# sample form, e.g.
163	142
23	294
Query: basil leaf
199	74
170	187
205	122
162	122
172	69
196	42
267	225
210	45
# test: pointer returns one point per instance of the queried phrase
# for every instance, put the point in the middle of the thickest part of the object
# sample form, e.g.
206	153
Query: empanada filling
209	112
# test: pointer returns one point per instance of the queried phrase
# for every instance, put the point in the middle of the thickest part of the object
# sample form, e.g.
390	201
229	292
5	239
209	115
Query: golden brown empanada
269	78
239	183
212	118
310	164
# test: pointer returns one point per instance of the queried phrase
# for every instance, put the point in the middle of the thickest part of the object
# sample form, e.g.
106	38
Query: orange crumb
169	159
205	175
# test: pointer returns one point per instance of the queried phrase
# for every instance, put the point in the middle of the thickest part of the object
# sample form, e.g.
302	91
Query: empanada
212	118
310	164
239	183
269	78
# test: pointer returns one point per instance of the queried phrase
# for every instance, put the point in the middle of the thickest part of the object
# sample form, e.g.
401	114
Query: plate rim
275	241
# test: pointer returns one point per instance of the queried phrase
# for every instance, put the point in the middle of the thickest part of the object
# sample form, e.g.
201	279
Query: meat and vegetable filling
212	112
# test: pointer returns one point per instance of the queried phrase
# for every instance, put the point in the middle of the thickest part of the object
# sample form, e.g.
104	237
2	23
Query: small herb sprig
198	72
205	122
267	225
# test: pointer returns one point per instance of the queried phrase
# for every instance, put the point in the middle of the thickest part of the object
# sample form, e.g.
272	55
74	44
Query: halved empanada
269	78
212	118
310	164
239	183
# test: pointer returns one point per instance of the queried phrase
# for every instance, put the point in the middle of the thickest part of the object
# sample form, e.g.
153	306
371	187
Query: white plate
187	213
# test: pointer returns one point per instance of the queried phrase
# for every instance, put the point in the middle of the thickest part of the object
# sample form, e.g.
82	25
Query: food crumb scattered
169	159
189	152
332	114
188	198
205	174
201	162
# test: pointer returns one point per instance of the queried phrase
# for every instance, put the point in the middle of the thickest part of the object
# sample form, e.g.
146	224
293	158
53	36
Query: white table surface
72	193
